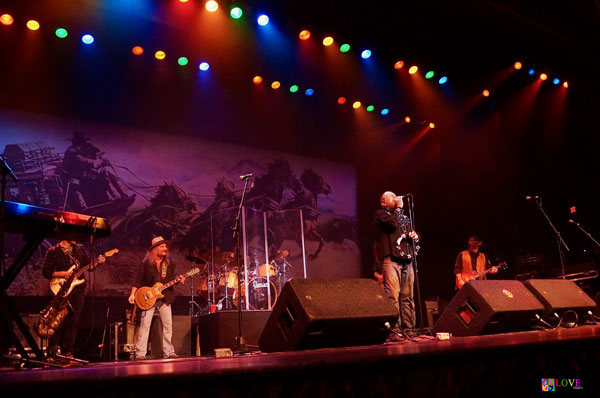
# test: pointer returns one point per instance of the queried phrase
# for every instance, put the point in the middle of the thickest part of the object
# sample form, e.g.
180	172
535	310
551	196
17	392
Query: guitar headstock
111	253
502	265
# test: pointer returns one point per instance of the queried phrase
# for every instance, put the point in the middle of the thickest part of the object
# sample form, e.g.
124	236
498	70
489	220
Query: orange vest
468	267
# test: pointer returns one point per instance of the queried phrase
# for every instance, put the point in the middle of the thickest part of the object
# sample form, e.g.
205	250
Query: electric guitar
68	284
469	276
145	296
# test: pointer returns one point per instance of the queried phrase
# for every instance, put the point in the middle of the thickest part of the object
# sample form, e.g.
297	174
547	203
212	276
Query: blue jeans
398	281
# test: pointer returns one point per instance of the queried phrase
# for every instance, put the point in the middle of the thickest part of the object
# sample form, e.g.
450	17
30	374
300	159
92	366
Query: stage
489	365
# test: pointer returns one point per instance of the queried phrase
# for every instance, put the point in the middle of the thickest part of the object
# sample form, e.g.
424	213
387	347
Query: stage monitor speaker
317	313
181	339
561	295
489	307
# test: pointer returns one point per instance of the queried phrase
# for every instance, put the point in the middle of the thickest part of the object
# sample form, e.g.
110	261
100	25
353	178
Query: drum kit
220	287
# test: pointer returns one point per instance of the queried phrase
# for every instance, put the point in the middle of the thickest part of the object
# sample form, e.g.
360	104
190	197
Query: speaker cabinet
220	329
315	313
489	307
182	336
560	295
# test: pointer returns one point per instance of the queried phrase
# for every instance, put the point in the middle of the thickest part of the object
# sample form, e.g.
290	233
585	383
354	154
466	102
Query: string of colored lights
263	20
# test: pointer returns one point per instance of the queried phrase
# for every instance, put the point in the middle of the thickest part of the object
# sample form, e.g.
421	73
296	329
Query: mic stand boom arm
585	232
559	240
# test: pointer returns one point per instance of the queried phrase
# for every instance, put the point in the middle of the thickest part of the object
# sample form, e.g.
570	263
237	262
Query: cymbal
197	260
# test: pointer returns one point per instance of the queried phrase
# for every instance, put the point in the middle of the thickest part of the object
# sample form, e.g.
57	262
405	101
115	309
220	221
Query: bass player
60	261
156	267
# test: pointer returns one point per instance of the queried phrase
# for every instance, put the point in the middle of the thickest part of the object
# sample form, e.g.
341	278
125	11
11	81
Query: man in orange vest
471	262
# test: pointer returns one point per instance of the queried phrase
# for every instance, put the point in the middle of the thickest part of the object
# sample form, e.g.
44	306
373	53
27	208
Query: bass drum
258	298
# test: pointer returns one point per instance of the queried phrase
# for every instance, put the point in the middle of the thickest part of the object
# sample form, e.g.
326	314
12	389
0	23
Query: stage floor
513	356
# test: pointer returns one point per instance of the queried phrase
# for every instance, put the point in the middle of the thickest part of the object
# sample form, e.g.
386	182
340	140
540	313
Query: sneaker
173	356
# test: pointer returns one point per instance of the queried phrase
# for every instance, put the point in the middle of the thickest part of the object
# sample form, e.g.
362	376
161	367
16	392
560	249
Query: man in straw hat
156	267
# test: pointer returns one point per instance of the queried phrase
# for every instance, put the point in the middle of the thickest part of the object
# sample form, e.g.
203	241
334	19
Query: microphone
246	176
5	165
532	197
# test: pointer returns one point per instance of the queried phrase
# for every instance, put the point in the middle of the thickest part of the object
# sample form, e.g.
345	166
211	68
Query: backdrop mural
147	183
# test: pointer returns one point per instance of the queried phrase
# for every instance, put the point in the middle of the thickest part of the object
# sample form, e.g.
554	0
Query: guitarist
156	267
58	263
472	261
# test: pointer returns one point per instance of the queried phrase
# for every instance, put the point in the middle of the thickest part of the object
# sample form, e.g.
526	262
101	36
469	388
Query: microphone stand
585	232
241	347
559	240
4	170
415	250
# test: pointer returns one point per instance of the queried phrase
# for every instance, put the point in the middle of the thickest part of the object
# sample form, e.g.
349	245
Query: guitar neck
174	281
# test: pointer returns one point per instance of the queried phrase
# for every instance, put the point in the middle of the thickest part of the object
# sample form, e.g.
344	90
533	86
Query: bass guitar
469	276
145	296
68	284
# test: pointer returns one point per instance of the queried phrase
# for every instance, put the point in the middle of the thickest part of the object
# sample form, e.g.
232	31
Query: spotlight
309	91
356	104
370	108
366	54
341	100
304	35
543	76
236	13
407	119
431	125
399	65
443	80
530	72
160	55
344	48
556	81
518	65
183	61
204	66
413	70
565	84
385	111
33	25
137	50
294	88
212	6
429	74
486	93
328	41
263	20
88	39
61	33
6	19
257	79
275	85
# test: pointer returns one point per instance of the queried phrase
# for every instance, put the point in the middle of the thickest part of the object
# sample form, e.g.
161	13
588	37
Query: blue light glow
385	111
204	66
443	80
365	54
87	39
263	20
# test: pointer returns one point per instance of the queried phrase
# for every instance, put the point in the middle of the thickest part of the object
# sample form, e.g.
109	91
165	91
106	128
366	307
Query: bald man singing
394	248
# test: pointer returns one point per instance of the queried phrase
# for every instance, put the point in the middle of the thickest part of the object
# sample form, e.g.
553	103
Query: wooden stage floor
491	365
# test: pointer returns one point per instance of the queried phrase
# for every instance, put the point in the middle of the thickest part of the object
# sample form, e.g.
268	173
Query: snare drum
207	284
266	269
